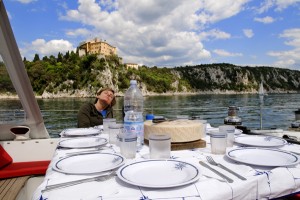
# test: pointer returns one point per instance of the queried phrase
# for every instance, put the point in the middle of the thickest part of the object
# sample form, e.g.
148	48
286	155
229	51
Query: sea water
277	109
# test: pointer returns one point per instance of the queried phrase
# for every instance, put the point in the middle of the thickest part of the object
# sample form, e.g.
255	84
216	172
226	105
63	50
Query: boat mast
18	75
261	101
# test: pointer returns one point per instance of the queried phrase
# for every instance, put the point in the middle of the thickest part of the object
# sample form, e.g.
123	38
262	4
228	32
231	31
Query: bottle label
135	129
133	107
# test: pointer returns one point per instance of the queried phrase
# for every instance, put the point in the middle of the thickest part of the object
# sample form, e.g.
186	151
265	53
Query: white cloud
44	48
265	20
292	36
285	63
215	34
265	6
290	57
82	32
213	11
248	33
224	53
26	1
279	5
283	4
162	32
156	32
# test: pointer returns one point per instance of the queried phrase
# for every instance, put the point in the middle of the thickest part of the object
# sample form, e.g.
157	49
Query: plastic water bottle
133	98
133	108
134	126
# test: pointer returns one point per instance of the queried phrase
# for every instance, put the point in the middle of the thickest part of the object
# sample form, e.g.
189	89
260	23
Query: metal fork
102	177
215	171
212	162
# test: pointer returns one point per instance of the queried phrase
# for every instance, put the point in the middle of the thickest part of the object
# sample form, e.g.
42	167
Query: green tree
36	58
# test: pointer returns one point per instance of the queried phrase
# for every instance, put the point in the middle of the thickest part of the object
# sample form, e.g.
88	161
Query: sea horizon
277	109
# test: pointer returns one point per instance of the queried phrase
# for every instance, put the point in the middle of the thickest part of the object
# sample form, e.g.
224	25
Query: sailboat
21	160
261	94
261	90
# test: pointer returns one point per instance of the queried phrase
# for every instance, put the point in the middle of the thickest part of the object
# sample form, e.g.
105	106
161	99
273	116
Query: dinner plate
236	131
91	163
263	157
80	143
79	132
159	173
260	141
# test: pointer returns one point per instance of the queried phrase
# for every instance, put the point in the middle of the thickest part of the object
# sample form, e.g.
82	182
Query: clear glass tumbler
160	146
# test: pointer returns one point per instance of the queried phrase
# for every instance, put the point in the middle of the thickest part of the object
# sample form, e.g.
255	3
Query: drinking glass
107	122
229	129
218	141
114	130
160	146
128	144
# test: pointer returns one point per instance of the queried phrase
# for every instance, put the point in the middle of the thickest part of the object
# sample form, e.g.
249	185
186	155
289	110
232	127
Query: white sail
261	90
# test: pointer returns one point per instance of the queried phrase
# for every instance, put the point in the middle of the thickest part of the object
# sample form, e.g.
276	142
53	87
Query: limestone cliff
211	78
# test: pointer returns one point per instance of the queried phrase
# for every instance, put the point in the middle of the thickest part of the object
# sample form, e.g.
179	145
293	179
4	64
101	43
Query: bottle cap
149	116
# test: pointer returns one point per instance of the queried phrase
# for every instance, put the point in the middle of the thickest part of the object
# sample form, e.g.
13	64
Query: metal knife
216	172
234	173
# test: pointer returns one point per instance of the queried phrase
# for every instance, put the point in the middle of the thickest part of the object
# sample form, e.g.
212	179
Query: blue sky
164	32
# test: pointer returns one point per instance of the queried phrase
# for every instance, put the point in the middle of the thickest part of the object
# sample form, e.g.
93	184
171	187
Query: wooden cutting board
293	129
185	145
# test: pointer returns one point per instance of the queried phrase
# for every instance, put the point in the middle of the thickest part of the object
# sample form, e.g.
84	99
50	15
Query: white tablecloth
262	183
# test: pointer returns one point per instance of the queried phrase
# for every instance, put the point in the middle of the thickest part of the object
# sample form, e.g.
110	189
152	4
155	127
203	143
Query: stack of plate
81	143
262	150
80	132
89	163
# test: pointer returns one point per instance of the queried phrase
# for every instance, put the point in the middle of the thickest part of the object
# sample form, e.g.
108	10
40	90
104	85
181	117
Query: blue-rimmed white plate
159	173
80	132
81	143
88	163
263	157
260	141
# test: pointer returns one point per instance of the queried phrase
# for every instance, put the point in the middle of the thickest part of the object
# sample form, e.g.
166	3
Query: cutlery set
212	162
102	177
216	172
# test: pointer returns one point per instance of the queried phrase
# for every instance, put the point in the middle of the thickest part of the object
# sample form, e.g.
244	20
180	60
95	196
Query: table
261	183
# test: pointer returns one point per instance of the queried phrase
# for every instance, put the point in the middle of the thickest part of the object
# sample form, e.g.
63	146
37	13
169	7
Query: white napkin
269	184
89	190
295	171
176	193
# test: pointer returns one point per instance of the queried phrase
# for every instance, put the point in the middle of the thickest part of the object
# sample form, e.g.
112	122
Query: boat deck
9	188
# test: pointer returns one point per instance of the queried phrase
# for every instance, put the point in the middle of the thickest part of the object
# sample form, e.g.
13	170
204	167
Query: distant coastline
85	95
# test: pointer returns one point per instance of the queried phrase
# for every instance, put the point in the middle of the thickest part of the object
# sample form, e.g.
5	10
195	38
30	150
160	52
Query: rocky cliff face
224	77
213	78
